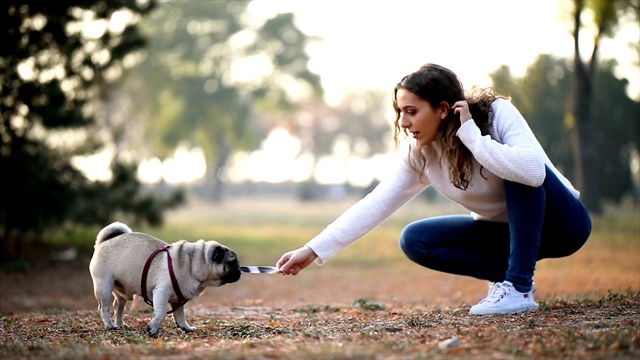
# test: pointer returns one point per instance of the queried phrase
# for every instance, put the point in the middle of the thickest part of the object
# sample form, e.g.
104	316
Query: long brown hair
436	84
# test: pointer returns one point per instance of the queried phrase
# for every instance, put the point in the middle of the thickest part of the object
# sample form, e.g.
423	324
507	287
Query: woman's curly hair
437	84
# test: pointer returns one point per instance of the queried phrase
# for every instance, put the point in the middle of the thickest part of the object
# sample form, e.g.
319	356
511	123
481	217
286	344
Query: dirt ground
52	315
68	286
330	312
590	308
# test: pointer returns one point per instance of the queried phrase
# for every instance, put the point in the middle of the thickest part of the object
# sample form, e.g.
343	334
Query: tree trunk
222	158
586	178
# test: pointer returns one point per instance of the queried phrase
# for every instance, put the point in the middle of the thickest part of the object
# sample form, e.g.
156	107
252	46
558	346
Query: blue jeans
543	222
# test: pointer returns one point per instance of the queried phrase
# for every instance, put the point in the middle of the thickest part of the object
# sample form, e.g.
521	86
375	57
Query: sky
371	44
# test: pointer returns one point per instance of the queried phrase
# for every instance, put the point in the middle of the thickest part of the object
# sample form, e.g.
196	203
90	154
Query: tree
543	95
56	59
615	133
213	69
606	15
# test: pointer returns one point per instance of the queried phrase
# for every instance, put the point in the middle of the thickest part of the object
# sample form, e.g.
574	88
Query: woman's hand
292	262
462	108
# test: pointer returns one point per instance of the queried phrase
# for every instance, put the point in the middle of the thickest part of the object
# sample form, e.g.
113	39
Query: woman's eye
409	112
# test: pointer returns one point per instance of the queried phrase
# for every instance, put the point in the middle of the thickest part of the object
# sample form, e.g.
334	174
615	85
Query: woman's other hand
461	108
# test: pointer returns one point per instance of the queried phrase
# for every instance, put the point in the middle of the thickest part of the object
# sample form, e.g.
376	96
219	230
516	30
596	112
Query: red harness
174	281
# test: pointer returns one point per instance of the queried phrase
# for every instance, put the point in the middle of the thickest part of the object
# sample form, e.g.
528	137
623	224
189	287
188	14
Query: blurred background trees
142	78
543	96
213	76
56	63
584	123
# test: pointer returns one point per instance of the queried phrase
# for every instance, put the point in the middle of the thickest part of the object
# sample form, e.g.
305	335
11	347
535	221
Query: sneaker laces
498	291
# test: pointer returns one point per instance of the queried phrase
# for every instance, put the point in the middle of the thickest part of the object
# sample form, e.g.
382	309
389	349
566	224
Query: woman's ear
444	110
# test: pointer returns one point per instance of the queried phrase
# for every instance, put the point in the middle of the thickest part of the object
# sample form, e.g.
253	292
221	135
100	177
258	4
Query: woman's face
418	117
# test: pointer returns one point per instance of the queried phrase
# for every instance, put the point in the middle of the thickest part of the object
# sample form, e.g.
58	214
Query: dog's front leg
181	319
160	308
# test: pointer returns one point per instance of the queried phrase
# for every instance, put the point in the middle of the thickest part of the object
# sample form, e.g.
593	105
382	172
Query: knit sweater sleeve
391	194
511	151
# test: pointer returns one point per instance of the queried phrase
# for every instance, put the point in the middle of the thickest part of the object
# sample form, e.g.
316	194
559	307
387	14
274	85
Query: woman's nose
404	122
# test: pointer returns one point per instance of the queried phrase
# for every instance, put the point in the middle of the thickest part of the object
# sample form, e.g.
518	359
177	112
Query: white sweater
511	151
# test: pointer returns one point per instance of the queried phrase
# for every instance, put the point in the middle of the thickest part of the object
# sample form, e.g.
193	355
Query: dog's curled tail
112	230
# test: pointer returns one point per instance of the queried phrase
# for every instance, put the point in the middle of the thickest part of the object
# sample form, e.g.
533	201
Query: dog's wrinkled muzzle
232	273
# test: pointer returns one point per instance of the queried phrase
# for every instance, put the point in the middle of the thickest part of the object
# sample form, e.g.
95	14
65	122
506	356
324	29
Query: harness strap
174	281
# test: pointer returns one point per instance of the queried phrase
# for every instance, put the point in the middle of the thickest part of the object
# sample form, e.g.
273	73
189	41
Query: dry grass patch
607	327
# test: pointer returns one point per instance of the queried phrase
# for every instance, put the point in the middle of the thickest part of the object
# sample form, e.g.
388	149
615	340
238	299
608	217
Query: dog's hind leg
105	298
181	319
118	305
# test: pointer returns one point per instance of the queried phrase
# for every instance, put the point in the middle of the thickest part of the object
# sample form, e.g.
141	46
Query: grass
261	231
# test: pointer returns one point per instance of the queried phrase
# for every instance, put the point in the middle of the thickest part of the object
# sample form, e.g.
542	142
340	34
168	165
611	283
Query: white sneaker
504	299
533	288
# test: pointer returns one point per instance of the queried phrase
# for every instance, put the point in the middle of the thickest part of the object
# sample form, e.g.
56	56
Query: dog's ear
218	255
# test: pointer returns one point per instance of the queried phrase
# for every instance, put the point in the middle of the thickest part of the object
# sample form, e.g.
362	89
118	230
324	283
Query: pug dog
121	257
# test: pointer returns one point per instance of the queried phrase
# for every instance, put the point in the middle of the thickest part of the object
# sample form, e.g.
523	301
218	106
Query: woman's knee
409	239
567	223
419	239
557	243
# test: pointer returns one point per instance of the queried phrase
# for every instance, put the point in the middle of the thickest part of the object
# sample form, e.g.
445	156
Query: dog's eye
218	255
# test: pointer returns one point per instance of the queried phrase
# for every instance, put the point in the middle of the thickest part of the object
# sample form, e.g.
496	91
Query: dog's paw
188	329
152	332
111	327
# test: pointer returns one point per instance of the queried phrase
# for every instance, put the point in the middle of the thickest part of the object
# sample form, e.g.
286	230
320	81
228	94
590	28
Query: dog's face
224	262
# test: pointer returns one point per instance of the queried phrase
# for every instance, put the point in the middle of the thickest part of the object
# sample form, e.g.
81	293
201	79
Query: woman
479	152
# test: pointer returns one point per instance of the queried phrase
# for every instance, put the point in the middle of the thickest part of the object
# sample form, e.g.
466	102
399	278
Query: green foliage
368	304
18	265
603	20
56	61
195	93
123	194
616	130
606	14
314	309
544	97
38	183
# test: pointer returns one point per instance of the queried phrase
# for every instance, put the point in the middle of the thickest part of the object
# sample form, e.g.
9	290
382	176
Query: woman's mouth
415	134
